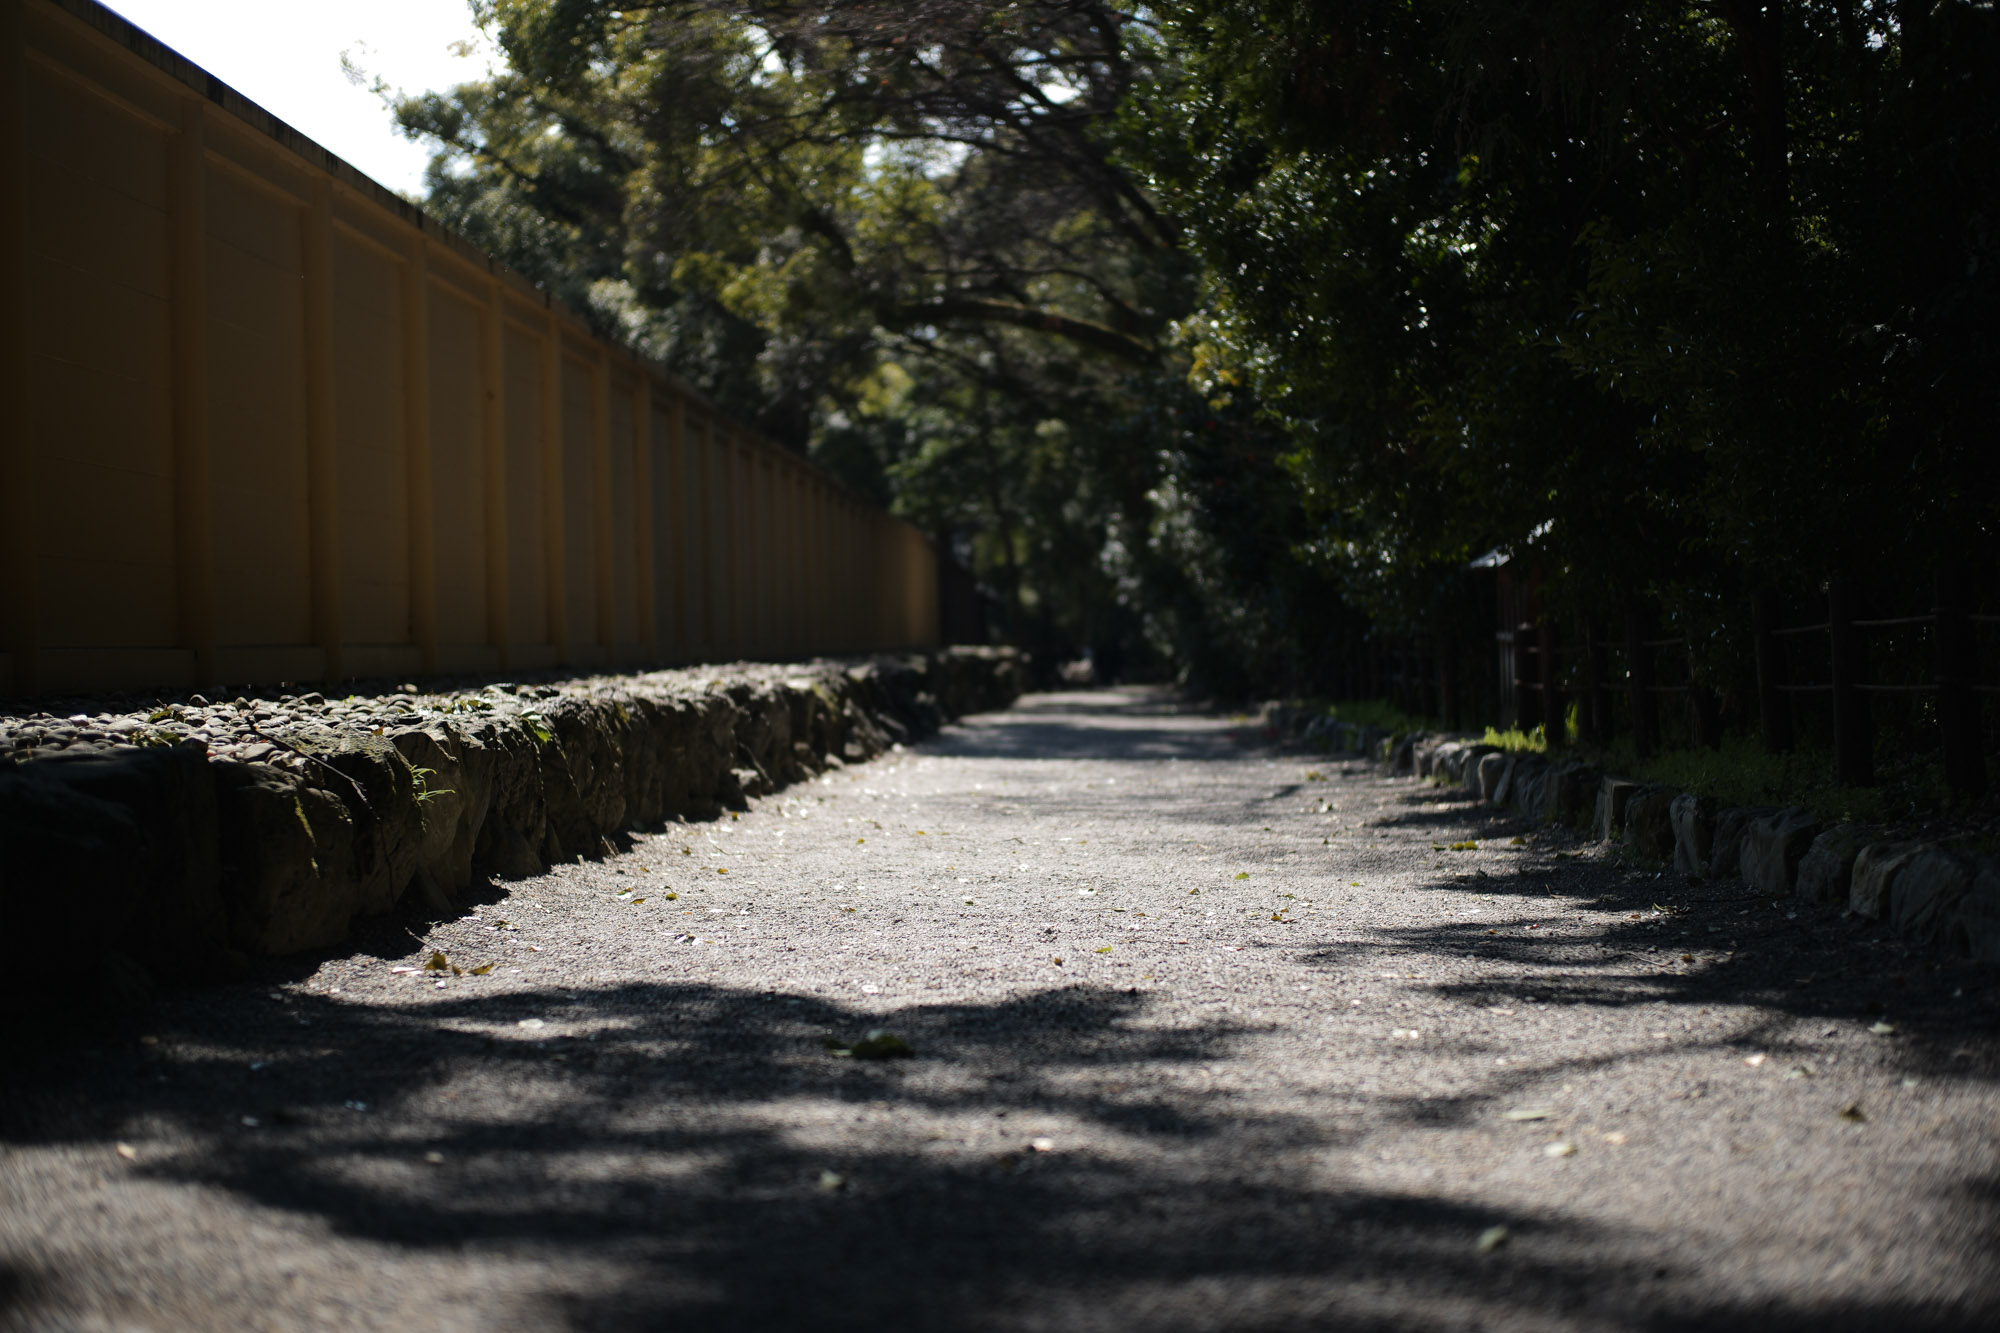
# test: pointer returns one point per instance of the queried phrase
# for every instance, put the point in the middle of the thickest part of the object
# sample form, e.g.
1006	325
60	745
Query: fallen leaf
1687	958
438	963
673	897
1883	1029
1529	1113
881	1044
1615	1138
1754	1060
1852	1111
128	1152
1492	1239
1042	1145
861	839
831	1182
482	969
404	971
1242	874
434	1157
1517	842
1560	1148
637	901
721	870
1104	949
1465	846
1056	961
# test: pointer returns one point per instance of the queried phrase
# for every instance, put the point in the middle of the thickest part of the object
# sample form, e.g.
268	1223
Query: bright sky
285	55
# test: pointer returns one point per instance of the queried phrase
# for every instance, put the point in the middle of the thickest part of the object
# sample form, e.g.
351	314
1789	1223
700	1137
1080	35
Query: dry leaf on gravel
881	1044
1853	1112
438	963
1883	1029
1492	1239
1560	1148
1528	1113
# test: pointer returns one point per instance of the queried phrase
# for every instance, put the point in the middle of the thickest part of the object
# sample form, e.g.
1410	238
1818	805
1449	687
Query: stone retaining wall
1944	892
178	840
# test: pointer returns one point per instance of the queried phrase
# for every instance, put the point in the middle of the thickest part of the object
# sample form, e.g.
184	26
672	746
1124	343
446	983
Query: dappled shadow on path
677	1133
1123	724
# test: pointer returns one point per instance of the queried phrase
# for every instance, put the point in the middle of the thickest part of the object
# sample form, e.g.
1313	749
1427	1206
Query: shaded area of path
1298	1055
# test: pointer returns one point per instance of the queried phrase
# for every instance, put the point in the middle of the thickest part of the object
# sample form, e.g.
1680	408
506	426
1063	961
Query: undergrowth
1741	772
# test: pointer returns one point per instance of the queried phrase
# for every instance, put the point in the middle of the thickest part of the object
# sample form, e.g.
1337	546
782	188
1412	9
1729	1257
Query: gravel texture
1205	1037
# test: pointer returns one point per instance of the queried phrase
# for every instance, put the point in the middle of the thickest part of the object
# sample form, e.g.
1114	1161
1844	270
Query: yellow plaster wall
264	421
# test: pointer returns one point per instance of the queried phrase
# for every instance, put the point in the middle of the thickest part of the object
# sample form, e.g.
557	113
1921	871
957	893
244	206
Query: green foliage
423	791
1642	296
1379	713
1220	336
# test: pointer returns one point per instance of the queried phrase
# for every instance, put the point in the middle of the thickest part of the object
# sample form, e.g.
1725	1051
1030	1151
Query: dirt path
1299	1055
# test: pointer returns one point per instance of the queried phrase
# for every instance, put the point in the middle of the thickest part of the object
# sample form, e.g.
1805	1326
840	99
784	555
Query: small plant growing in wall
420	778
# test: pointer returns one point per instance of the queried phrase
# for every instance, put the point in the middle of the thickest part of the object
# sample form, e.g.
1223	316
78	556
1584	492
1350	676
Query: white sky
284	55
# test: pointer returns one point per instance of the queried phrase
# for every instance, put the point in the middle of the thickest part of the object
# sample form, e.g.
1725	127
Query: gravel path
1207	1037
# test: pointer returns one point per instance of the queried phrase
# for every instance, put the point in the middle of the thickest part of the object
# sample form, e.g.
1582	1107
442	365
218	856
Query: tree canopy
1214	332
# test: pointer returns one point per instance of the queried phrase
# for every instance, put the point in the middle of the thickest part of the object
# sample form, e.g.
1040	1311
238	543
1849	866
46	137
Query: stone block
1567	794
1649	826
108	852
1524	793
1468	768
1725	857
1693	819
1772	849
1875	866
1494	771
1828	868
1613	794
1974	929
1928	890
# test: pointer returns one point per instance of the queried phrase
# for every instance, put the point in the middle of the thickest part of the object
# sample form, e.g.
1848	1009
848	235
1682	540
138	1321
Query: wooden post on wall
1639	667
1555	714
194	532
555	555
674	523
19	612
417	450
729	608
1596	713
1774	712
1958	671
493	439
1853	738
601	547
642	508
702	532
322	442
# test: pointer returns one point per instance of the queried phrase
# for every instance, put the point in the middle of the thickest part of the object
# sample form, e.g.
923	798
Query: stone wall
1940	891
177	841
